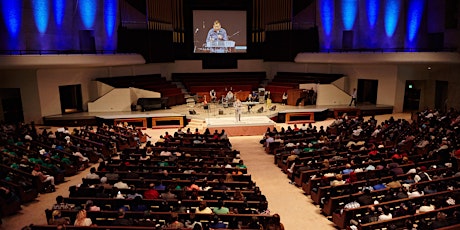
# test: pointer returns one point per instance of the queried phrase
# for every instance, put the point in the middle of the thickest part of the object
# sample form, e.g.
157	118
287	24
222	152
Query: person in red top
151	193
296	129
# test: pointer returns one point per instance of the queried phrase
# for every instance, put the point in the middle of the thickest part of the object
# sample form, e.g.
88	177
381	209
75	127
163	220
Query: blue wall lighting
41	14
59	11
392	10
110	16
12	12
349	11
414	18
88	12
372	8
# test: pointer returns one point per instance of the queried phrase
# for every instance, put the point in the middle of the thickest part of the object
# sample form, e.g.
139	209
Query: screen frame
236	30
235	5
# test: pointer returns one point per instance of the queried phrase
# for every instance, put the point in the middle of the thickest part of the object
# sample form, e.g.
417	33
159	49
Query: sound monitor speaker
436	41
347	39
192	112
87	41
221	112
273	108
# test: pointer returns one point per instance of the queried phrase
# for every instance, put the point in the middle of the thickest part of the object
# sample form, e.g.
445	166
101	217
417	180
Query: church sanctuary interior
230	114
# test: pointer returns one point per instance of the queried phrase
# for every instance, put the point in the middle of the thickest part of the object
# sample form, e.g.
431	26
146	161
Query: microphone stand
194	40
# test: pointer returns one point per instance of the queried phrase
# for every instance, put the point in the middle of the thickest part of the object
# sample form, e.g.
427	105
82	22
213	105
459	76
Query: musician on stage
237	105
229	96
212	95
215	34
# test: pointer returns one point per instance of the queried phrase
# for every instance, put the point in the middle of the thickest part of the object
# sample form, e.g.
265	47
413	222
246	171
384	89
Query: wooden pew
343	220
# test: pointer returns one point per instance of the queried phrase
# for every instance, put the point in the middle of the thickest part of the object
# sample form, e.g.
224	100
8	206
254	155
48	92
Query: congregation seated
396	168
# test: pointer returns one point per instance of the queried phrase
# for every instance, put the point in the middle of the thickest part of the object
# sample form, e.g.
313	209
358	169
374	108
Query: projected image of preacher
217	33
216	37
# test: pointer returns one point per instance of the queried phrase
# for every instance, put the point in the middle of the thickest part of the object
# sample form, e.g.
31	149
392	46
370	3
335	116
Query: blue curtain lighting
327	15
59	11
414	18
88	12
12	13
110	16
41	14
327	19
349	11
372	8
392	10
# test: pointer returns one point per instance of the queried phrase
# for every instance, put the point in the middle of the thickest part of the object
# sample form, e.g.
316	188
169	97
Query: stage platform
247	126
216	116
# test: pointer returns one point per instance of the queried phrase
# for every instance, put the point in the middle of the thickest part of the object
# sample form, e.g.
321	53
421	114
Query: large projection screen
231	37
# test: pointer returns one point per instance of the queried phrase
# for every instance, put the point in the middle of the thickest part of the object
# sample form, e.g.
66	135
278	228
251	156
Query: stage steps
196	123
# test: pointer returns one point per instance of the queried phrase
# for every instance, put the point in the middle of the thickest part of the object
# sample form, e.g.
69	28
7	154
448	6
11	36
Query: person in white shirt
284	98
120	185
385	215
92	174
212	95
237	106
354	95
414	193
426	207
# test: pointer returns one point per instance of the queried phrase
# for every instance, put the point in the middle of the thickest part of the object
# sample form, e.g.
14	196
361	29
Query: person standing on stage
212	95
285	97
238	106
353	97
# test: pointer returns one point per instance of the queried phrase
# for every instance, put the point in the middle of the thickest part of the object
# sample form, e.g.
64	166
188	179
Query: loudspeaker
221	112
347	39
87	41
273	108
192	112
436	41
260	110
205	107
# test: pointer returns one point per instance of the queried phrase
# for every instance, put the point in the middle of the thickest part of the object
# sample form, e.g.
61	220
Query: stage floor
216	111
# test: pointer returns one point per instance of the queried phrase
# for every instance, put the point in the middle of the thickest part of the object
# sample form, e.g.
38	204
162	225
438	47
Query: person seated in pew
57	219
365	198
82	219
121	219
275	223
241	165
43	177
395	183
92	174
385	214
151	193
220	209
338	180
133	193
203	208
441	221
61	205
216	223
167	194
193	223
427	206
414	192
91	207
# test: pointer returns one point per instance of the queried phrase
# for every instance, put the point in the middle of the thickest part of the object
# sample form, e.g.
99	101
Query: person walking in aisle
353	97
